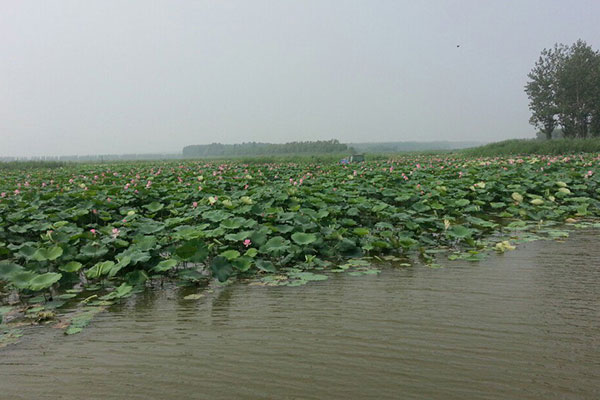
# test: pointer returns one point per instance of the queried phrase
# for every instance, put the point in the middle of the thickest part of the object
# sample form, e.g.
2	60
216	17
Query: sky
142	76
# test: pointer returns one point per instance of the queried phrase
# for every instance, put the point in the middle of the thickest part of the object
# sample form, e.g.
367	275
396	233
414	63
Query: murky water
521	325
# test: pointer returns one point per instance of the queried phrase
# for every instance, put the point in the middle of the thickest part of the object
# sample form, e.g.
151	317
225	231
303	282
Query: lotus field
111	229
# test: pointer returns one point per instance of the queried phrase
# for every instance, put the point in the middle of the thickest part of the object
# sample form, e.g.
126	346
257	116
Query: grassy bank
535	146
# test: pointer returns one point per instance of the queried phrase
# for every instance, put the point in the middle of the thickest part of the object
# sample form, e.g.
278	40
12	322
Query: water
521	325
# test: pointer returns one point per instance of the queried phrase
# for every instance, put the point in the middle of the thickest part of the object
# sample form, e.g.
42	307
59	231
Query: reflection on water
521	325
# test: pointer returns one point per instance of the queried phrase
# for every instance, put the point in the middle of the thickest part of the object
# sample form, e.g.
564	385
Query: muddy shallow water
524	325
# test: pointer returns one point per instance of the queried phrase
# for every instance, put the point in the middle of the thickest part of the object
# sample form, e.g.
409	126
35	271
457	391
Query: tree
541	90
564	89
577	89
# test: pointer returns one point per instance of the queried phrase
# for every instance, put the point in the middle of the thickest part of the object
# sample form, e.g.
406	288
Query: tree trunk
549	126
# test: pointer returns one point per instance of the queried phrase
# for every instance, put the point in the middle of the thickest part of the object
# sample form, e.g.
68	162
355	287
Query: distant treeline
397	147
96	157
265	149
9	165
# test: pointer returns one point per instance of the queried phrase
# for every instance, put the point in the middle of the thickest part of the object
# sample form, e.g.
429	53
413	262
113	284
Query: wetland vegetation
88	235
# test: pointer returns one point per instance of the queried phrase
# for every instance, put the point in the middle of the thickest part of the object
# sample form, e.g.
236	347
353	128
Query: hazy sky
89	77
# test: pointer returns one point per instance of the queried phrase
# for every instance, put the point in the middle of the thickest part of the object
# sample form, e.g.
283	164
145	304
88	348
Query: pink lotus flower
115	233
3	194
93	231
195	204
247	242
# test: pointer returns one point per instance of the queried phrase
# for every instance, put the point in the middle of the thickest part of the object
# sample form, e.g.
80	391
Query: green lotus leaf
153	207
233	223
47	254
216	215
252	252
137	277
139	257
265	265
284	228
192	250
237	237
221	268
190	275
258	238
7	269
243	263
149	228
27	251
360	231
230	254
81	320
304	239
99	269
19	228
121	292
22	280
44	281
462	202
93	250
308	276
72	266
123	261
276	244
145	243
189	232
564	190
165	265
517	197
460	232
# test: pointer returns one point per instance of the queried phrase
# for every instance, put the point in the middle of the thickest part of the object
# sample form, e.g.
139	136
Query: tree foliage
254	148
564	90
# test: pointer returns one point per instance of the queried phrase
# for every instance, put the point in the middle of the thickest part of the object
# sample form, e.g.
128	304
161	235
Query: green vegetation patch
96	234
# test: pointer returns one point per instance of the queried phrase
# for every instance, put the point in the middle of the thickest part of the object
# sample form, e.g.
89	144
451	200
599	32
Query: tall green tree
578	82
541	90
564	89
